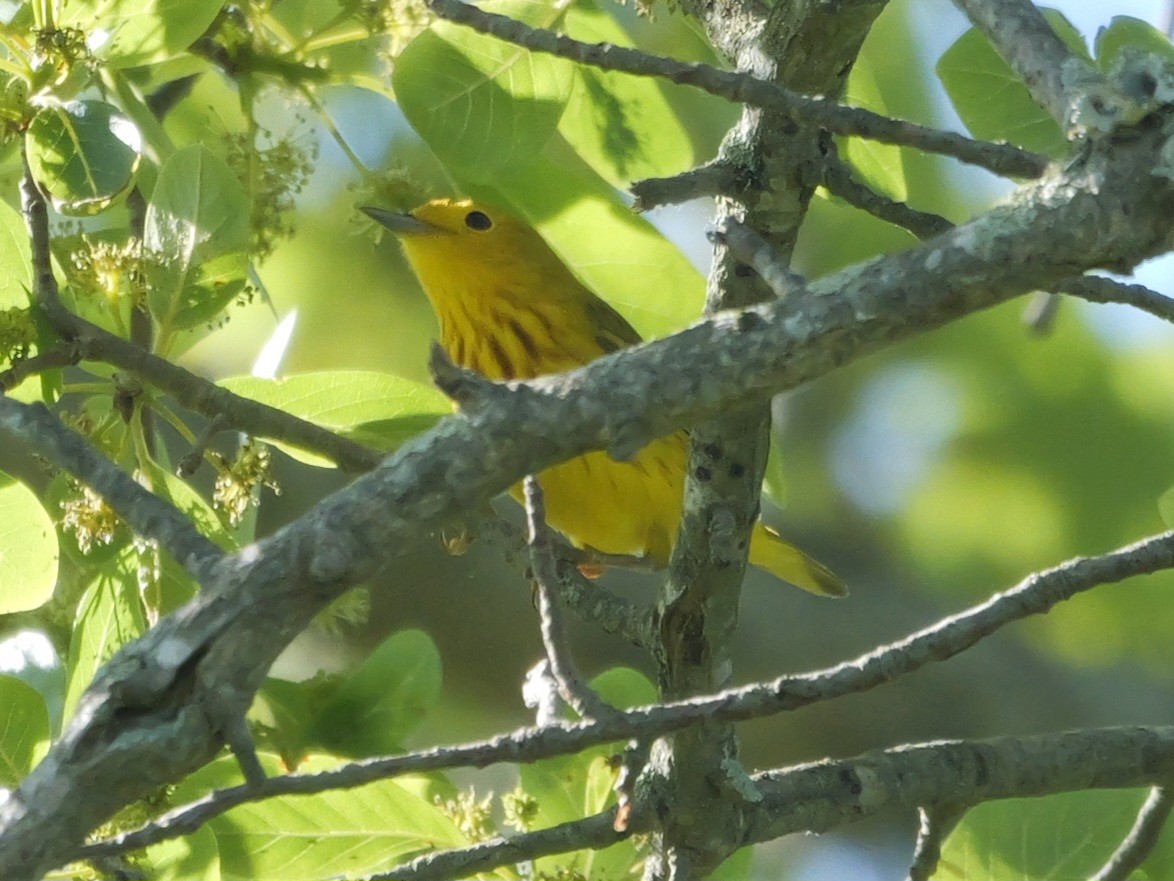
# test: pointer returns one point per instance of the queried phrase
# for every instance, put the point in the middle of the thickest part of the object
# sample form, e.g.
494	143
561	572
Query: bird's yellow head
463	250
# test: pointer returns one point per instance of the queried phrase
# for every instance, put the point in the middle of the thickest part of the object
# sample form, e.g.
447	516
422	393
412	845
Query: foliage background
927	476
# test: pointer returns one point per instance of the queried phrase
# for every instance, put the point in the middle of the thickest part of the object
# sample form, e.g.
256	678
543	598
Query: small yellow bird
509	308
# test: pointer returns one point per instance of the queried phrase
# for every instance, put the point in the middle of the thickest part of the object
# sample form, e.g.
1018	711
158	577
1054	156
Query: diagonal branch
1001	159
827	794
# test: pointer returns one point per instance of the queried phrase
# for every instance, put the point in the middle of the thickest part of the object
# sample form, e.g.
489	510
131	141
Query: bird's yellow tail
769	551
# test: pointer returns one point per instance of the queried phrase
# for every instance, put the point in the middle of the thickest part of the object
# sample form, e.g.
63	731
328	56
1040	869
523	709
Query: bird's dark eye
478	220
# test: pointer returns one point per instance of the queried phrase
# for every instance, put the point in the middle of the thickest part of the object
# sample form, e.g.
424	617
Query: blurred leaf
774	480
624	688
16	274
1125	32
993	102
483	104
343	833
1058	838
735	867
881	166
109	616
376	408
377	704
623	126
193	505
28	549
24	729
284	711
129	33
83	154
191	857
196	238
1166	507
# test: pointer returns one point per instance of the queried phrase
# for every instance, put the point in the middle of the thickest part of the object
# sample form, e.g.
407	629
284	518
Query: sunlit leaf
378	409
482	104
380	701
196	238
83	154
992	101
881	166
24	729
109	616
129	33
1125	32
1062	837
623	126
28	549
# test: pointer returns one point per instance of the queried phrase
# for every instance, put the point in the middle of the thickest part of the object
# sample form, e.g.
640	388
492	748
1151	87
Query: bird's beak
401	223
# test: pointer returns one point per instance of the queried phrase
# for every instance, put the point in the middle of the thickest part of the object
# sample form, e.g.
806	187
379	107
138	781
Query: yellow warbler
510	309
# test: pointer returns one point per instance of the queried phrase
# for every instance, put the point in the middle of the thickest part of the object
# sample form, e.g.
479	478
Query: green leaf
480	103
344	833
624	688
196	238
572	787
623	126
992	101
109	616
378	409
1059	838
378	703
16	275
1166	507
1125	32
28	549
24	729
881	166
192	857
618	254
197	509
130	33
84	154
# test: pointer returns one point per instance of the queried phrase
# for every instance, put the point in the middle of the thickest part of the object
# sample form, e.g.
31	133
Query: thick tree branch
135	732
827	794
998	158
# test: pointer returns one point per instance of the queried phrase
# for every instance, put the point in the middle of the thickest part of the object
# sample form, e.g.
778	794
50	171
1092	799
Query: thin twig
937	822
751	248
1001	159
1035	595
571	686
1098	289
841	181
1142	838
719	177
594	832
63	355
191	461
591	601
